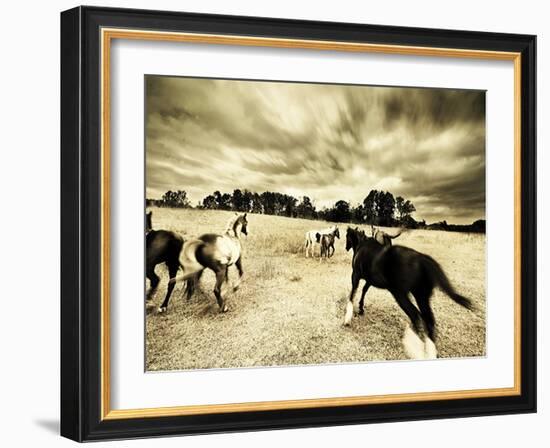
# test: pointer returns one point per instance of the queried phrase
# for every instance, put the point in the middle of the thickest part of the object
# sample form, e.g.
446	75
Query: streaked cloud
328	142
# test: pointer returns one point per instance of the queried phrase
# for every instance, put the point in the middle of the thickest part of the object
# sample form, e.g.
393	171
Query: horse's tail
437	275
397	234
188	261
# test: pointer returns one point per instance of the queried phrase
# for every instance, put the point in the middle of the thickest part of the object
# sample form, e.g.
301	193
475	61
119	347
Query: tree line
378	207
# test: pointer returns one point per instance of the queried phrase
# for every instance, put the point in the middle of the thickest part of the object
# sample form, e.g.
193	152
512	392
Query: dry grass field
289	310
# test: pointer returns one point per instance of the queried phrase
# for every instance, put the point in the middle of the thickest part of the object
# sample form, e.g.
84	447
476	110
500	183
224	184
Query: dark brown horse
216	252
402	271
161	246
326	243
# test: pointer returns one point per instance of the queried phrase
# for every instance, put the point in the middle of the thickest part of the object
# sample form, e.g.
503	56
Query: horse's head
337	233
351	238
148	221
244	224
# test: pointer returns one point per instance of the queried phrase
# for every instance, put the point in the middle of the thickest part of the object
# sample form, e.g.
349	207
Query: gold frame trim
107	35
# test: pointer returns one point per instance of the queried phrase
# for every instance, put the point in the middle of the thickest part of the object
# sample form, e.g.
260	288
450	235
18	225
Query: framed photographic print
273	223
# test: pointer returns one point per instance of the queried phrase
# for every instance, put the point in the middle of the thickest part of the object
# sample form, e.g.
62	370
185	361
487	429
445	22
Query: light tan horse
216	252
382	237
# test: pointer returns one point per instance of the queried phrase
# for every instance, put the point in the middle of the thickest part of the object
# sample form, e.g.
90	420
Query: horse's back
403	267
220	248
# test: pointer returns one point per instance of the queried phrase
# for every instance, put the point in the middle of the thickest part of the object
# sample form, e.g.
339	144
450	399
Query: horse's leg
239	266
410	310
172	271
412	340
349	306
154	279
192	284
362	301
423	301
221	275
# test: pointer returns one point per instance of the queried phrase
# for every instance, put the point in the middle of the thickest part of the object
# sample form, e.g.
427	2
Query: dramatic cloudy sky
328	142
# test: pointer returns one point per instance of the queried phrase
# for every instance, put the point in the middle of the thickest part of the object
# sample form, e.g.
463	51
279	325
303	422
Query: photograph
296	223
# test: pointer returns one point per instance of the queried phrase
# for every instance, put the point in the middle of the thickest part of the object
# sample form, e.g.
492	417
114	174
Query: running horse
314	237
216	252
402	271
161	246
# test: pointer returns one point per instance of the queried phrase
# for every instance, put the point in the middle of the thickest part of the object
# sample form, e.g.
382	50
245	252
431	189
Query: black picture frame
81	223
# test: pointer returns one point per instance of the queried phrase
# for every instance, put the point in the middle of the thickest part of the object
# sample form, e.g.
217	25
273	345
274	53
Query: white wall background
29	179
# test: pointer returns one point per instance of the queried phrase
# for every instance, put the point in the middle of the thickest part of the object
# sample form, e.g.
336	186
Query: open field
289	310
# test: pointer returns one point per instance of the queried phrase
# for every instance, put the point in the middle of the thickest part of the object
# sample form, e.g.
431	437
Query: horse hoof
225	309
413	346
430	352
349	314
162	309
361	312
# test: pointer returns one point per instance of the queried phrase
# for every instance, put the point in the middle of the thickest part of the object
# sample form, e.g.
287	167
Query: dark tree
176	199
223	201
268	202
385	208
305	208
369	206
358	214
339	213
404	208
247	201
257	206
209	202
237	201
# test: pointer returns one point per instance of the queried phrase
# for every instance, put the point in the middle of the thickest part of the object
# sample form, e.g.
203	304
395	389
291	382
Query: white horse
312	239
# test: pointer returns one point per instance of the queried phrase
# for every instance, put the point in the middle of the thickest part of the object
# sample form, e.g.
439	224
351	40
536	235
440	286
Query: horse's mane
231	226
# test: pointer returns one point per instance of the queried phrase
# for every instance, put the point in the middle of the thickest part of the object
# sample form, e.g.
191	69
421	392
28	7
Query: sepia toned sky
328	142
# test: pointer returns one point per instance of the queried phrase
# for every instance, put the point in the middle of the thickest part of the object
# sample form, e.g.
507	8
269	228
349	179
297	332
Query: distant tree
410	223
370	206
237	201
404	208
306	209
479	226
339	213
290	205
385	208
209	202
153	202
223	201
256	205
268	202
358	214
176	199
247	201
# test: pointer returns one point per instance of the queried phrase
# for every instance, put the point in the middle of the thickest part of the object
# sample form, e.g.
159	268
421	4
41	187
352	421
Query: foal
326	243
401	271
